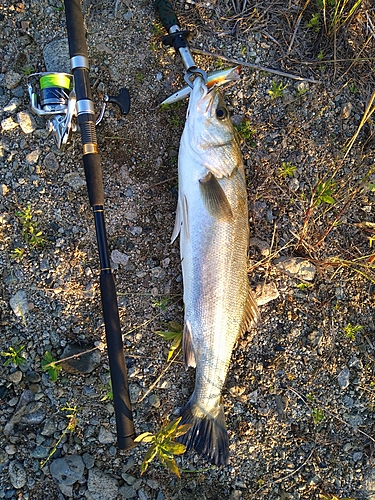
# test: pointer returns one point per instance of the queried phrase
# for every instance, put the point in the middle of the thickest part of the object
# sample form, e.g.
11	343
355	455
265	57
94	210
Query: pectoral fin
187	346
214	198
181	219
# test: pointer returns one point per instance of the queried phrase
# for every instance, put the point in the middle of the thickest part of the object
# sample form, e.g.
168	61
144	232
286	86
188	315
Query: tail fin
208	434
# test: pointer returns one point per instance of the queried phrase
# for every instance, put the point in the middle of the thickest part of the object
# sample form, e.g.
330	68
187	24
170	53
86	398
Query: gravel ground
300	394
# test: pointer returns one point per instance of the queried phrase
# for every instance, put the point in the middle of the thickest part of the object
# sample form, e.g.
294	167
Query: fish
217	78
213	227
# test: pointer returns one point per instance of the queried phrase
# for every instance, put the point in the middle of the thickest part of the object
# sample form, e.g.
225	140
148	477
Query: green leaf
171	427
181	430
146	437
175	448
172	466
150	455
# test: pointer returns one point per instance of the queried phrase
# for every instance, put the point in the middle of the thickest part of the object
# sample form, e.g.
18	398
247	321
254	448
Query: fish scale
212	221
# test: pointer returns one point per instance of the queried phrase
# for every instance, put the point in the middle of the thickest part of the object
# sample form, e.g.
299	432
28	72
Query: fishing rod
60	98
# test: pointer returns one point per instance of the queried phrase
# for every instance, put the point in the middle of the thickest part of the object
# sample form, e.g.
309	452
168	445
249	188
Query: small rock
127	492
88	460
34	413
102	486
56	56
8	124
50	162
262	246
49	428
26	122
343	378
67	470
12	105
119	257
296	267
19	303
12	79
105	436
74	180
357	456
17	475
10	449
265	293
154	400
301	87
3	189
44	264
40	452
82	362
135	392
33	157
15	377
294	184
346	110
142	495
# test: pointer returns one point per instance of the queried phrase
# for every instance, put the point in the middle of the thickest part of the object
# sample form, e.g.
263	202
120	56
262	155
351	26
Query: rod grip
75	27
121	399
94	181
166	13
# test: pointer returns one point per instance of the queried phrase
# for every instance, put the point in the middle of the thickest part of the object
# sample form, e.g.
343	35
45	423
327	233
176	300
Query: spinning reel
52	96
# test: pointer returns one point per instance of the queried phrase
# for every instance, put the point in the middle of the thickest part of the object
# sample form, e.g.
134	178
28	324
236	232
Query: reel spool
51	96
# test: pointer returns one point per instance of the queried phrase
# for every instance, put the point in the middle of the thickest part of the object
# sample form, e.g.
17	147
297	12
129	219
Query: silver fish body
212	220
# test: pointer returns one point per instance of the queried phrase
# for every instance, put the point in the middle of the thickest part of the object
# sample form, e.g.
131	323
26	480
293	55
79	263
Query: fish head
210	131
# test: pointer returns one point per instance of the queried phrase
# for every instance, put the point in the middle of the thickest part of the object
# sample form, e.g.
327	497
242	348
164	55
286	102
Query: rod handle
74	22
166	13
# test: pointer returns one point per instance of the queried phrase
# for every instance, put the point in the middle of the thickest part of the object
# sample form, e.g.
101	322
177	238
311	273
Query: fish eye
221	113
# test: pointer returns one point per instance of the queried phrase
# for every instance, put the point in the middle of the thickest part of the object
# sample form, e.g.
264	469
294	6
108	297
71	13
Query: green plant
30	232
164	446
14	355
17	254
328	496
246	131
314	22
27	70
173	335
162	303
109	392
72	424
287	169
304	286
353	89
350	331
277	90
50	365
323	192
317	415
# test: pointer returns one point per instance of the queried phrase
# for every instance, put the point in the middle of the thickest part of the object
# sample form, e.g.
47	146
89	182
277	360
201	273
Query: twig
254	66
283	478
333	415
366	115
296	26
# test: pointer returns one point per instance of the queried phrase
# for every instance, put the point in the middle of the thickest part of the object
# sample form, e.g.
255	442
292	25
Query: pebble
346	110
67	470
74	180
26	122
266	293
17	474
142	495
15	377
50	162
262	246
105	436
127	492
12	79
33	157
85	363
154	400
19	303
8	124
102	486
56	56
88	460
357	456
343	378
12	105
296	267
119	257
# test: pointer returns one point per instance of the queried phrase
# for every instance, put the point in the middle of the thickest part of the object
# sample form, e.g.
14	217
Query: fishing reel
53	97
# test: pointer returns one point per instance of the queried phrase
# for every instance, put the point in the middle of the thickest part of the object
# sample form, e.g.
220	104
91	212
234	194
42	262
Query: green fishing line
55	80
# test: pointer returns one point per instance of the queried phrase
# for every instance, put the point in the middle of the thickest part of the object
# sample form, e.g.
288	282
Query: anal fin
251	313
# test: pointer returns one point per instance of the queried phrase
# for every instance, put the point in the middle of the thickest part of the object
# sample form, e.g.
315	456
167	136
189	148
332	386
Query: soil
300	394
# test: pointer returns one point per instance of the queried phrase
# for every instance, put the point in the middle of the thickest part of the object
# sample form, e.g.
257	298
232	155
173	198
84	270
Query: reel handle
122	100
166	13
